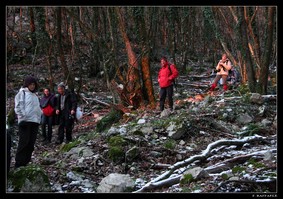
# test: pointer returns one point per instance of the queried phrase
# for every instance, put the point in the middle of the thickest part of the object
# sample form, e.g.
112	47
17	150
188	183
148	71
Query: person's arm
57	103
219	65
19	104
175	72
228	65
74	102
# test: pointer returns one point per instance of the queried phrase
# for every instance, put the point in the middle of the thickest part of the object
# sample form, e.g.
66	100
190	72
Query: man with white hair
66	109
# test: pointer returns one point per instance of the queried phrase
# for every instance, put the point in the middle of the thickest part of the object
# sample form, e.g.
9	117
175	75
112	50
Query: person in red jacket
166	76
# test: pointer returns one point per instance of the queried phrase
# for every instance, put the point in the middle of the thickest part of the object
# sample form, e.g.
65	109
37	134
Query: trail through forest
164	139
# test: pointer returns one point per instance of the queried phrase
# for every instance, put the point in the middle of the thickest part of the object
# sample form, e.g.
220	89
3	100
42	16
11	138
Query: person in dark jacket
47	99
29	114
166	77
66	109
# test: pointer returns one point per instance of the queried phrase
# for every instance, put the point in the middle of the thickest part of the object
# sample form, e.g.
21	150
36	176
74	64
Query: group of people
168	72
28	107
29	110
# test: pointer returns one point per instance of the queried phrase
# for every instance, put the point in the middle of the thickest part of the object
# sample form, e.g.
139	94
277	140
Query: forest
109	56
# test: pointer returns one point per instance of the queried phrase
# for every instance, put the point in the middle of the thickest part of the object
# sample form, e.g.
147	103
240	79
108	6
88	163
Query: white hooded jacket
27	106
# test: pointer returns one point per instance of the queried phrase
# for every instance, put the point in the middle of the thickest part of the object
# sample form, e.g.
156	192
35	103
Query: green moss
255	163
116	141
170	144
238	169
224	176
187	178
19	176
112	117
11	117
253	129
116	144
67	147
116	153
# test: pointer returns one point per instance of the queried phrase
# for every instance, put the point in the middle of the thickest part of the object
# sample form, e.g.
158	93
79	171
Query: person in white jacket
29	113
222	68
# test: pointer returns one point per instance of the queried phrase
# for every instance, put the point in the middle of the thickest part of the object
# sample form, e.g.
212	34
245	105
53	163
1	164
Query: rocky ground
161	141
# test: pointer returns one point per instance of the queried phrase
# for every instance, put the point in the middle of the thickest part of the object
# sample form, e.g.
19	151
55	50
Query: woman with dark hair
48	99
29	113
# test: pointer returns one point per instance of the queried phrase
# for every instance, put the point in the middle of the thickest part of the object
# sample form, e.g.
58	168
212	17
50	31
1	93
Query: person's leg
61	129
162	96
33	130
69	129
21	157
169	91
225	86
49	133
214	83
43	127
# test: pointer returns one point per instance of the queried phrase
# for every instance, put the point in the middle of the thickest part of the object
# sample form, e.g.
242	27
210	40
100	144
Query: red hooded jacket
165	77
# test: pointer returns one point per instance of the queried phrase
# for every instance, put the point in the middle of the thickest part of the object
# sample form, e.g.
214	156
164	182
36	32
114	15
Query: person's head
61	88
31	83
163	61
46	91
224	57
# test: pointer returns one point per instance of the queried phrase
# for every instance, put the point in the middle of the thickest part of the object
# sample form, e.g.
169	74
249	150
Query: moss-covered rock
112	117
31	178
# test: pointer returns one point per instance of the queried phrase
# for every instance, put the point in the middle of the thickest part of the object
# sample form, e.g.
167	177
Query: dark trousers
27	137
47	121
66	124
168	91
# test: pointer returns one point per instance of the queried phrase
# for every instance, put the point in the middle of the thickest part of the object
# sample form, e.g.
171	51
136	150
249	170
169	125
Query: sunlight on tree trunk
133	86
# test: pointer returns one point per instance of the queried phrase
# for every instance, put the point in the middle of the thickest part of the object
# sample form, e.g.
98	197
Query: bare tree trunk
133	86
67	74
263	78
21	16
32	26
246	53
146	51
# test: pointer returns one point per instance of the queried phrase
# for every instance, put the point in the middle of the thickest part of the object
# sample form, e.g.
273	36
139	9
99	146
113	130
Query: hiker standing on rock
167	73
28	111
222	68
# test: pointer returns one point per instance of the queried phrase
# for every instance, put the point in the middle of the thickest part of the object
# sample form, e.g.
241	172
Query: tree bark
67	73
133	87
246	53
263	78
145	64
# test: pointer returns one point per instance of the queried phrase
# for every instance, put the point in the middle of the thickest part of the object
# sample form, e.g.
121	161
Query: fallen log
228	164
96	100
165	178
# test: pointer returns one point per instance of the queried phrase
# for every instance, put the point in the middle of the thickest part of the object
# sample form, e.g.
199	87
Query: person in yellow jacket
222	68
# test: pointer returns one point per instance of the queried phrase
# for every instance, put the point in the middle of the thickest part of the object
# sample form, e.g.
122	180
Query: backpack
234	76
174	80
